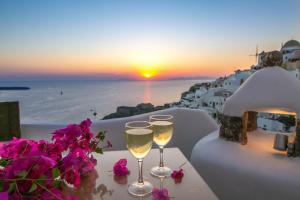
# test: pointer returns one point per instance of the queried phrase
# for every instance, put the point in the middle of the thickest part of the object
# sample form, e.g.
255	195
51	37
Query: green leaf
101	135
1	186
55	172
41	179
33	187
4	162
22	174
57	184
99	150
12	187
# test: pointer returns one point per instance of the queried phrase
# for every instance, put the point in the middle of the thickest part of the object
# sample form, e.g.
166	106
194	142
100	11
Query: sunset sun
148	72
147	75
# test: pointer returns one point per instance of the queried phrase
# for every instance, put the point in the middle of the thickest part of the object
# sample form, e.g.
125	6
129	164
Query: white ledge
190	125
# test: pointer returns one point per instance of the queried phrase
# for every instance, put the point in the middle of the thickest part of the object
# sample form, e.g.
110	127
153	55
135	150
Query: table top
102	184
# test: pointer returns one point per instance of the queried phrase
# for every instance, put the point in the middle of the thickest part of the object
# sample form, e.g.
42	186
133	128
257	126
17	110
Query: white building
233	82
269	124
199	92
288	50
215	98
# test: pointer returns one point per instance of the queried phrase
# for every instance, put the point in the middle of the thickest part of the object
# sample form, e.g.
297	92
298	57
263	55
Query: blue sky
44	36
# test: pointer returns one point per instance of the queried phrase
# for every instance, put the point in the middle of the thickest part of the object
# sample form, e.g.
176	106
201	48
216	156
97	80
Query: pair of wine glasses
139	137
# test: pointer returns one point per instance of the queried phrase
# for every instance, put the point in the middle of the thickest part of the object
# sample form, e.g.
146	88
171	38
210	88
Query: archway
272	90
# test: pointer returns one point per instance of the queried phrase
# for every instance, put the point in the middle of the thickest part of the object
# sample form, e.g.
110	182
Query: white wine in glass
163	131
139	139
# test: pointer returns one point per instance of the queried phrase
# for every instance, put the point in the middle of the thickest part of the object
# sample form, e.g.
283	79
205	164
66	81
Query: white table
103	185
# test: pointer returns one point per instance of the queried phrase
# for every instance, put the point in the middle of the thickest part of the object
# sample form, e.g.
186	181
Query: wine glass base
138	189
161	171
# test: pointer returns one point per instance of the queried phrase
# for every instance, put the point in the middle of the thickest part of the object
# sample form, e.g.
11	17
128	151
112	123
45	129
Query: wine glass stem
141	181
161	152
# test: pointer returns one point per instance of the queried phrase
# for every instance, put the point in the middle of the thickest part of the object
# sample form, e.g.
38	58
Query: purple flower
74	136
17	147
4	195
160	194
76	164
120	168
54	194
86	124
31	166
177	174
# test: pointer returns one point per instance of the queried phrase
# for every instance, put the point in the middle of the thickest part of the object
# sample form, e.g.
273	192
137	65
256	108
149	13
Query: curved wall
190	125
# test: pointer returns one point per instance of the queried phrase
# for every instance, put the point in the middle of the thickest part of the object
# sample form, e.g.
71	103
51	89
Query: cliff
127	111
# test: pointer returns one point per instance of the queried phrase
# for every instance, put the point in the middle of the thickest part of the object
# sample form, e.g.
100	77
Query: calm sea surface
44	102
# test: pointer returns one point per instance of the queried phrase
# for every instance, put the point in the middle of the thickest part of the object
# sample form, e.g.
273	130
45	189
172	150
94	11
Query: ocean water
44	102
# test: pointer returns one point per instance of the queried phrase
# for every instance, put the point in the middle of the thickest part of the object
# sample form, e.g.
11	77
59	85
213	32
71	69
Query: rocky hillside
126	111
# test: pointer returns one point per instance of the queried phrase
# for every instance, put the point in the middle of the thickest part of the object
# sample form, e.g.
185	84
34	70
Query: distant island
14	88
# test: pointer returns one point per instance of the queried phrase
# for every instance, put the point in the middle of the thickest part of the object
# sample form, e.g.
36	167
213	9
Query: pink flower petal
4	195
177	174
120	168
160	194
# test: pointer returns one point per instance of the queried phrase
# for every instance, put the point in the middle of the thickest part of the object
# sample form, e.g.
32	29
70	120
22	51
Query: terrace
235	160
231	170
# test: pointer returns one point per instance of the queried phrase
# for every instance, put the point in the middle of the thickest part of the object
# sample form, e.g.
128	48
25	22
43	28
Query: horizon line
14	78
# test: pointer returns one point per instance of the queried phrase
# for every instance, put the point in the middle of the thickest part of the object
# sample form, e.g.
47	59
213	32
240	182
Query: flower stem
182	165
47	190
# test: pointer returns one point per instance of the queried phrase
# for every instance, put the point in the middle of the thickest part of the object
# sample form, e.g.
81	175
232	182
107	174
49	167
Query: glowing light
147	75
148	71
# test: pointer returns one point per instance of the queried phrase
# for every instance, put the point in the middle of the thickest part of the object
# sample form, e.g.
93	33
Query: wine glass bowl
163	131
139	139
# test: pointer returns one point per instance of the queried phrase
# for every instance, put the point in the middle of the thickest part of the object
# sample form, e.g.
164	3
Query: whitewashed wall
189	127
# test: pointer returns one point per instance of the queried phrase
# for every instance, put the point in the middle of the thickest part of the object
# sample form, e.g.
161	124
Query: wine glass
139	139
163	131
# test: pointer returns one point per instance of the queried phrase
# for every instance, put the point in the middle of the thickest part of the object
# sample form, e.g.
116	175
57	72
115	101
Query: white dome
266	90
291	43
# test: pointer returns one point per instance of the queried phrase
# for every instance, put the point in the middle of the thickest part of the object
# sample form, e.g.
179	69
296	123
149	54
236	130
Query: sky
135	38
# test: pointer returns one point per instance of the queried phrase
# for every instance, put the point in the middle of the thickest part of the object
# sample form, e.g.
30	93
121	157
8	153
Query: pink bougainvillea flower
86	124
160	194
17	147
120	168
177	174
75	164
68	157
52	194
56	194
4	195
74	136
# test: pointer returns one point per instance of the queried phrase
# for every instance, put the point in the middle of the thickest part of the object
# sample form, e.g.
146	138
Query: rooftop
291	43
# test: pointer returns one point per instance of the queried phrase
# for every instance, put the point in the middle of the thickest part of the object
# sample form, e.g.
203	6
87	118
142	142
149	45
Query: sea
74	100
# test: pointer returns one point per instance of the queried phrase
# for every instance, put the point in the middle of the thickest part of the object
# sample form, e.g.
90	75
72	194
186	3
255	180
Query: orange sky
159	64
130	38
